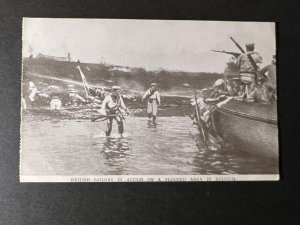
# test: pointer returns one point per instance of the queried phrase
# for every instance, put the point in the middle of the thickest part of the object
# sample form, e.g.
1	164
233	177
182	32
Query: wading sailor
153	101
111	107
248	70
203	129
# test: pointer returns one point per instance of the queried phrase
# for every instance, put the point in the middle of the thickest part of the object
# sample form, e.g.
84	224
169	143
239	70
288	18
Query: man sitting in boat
111	107
219	88
233	87
269	72
247	65
237	88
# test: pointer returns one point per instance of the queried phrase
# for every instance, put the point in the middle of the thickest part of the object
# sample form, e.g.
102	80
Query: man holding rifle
111	107
247	65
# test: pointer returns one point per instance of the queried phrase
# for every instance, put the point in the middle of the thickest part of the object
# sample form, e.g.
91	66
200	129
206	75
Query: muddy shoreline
170	105
136	109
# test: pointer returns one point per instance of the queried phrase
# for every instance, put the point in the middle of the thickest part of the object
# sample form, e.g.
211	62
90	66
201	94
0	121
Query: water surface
79	147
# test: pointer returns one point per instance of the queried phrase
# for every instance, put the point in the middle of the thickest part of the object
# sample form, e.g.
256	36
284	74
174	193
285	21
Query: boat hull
249	127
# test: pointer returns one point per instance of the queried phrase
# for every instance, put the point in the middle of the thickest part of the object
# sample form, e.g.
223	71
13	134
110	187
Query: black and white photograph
128	100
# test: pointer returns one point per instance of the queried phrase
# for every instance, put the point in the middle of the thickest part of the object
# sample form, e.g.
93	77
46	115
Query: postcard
116	100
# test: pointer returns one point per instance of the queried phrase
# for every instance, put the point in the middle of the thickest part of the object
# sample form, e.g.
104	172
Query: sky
152	44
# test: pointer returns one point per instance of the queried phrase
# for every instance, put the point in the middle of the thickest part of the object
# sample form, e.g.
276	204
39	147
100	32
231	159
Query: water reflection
115	152
212	162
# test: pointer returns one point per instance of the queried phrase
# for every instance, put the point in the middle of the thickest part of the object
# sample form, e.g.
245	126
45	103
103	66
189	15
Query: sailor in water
203	130
153	98
111	107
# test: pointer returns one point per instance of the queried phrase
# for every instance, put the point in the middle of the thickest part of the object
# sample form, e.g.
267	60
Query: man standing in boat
247	65
111	107
153	98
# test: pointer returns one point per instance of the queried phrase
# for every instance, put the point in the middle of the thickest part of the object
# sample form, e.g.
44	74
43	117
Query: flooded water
79	147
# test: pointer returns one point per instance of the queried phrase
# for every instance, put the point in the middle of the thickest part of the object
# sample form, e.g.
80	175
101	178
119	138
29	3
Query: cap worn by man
153	84
249	46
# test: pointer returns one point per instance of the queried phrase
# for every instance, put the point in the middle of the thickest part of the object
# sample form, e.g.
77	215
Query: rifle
107	117
237	45
235	54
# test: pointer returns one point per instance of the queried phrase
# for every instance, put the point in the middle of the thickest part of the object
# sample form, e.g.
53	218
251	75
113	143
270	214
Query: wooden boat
250	127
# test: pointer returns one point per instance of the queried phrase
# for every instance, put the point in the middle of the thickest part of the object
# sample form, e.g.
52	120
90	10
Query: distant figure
76	97
55	104
100	93
153	98
111	107
269	72
248	70
33	89
35	96
96	96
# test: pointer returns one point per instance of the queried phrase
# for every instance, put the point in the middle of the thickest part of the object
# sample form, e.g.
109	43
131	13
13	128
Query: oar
200	122
198	117
104	117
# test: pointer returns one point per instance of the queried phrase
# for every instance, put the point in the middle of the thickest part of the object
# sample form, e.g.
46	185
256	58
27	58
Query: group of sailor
252	84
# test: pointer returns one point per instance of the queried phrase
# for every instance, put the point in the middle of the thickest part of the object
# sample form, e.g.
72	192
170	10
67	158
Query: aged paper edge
150	178
21	108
